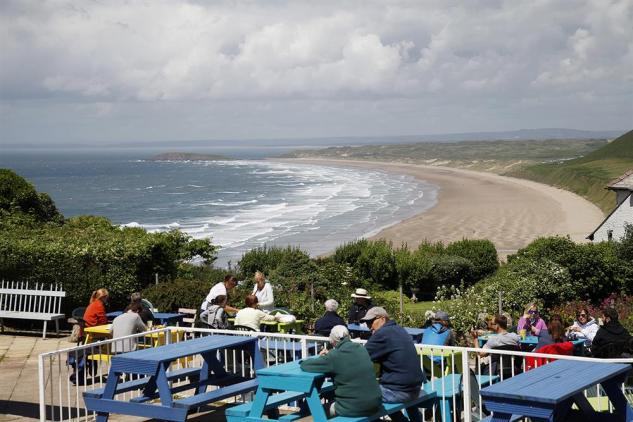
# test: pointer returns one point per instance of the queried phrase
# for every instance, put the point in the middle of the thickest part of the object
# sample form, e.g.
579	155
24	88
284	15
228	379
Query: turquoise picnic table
530	342
548	392
154	376
281	384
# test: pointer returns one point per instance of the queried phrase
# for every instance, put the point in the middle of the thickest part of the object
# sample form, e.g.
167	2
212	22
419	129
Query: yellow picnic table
101	332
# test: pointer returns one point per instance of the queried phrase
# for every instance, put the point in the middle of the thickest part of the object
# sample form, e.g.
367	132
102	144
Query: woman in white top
264	292
251	316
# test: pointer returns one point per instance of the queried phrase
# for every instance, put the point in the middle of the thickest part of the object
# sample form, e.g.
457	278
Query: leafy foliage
18	198
481	253
179	293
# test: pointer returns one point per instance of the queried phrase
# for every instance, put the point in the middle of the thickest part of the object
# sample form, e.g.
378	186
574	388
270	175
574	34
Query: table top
554	382
157	315
528	340
290	369
99	329
174	351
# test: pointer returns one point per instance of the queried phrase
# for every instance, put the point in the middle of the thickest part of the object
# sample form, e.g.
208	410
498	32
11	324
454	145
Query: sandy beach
508	211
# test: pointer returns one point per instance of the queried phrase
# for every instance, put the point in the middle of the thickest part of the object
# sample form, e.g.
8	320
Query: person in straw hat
362	303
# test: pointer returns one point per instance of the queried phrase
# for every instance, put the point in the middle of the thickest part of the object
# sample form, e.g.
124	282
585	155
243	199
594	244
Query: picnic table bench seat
216	395
42	303
139	383
423	400
236	413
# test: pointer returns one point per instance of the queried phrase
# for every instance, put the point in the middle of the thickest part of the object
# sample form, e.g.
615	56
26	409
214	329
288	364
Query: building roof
623	182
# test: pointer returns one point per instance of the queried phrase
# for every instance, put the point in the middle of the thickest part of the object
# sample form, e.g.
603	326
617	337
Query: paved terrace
19	382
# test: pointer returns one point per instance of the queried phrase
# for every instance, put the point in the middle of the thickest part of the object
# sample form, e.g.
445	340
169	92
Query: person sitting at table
251	316
264	292
440	333
362	303
126	324
401	375
356	390
146	314
214	316
584	327
554	333
218	289
329	319
95	313
502	340
612	339
530	321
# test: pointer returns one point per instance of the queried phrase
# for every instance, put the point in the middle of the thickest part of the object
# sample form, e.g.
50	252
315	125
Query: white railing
60	399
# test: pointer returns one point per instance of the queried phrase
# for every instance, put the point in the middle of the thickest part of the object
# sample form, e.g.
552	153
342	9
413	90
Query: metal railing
456	374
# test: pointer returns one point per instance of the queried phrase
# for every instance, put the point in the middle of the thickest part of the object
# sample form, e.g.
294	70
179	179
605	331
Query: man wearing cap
356	391
362	303
439	333
401	376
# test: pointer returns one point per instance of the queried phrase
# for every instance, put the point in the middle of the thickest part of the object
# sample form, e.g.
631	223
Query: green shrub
481	253
377	263
19	198
180	293
349	253
264	259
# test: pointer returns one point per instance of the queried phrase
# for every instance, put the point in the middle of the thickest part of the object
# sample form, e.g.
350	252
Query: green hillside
587	176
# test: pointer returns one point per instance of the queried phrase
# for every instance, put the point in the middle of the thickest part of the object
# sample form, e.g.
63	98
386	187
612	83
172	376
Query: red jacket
565	348
95	314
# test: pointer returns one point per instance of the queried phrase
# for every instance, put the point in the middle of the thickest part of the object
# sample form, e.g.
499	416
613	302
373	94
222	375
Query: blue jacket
438	335
324	325
391	346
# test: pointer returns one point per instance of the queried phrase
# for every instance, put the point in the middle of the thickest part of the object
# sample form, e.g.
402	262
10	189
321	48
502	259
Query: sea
246	202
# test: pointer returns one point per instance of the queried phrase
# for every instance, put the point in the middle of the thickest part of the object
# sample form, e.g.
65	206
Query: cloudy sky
98	72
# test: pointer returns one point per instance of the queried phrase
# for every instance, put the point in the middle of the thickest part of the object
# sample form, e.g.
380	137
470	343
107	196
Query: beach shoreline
508	211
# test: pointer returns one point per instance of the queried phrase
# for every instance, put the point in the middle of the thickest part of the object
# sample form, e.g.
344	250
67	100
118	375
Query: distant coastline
471	204
188	156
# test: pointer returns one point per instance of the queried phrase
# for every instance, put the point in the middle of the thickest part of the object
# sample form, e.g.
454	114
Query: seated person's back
612	339
330	319
250	316
126	324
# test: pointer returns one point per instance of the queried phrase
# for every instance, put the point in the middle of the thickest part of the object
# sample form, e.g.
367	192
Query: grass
587	176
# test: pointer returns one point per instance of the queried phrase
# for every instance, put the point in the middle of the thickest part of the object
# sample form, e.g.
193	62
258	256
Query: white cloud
430	52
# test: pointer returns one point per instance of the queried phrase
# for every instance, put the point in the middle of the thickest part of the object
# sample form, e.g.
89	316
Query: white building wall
623	214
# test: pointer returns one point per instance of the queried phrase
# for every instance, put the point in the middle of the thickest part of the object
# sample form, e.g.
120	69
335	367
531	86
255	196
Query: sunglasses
531	311
370	322
582	315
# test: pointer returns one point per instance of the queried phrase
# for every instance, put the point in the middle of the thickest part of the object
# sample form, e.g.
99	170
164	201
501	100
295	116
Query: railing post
42	388
466	383
304	348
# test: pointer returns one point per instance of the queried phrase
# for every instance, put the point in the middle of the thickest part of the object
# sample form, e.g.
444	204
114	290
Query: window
609	235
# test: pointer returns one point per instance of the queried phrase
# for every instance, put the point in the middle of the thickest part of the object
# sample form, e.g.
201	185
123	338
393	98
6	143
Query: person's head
556	330
532	310
610	314
219	300
500	323
251	301
338	333
100	294
135	297
508	318
583	316
361	296
260	279
135	307
556	318
230	281
375	318
331	305
442	318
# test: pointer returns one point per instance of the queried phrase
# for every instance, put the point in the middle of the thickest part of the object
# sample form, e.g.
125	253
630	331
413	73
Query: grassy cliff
588	175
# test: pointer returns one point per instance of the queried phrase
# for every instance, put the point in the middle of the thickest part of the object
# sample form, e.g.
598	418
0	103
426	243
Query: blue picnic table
152	366
548	392
530	342
415	333
163	318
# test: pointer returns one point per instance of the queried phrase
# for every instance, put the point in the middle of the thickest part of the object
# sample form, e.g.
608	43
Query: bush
594	267
622	303
377	263
349	253
180	293
19	198
264	259
481	253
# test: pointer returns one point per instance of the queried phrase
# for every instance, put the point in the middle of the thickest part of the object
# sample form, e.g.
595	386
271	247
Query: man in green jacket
356	391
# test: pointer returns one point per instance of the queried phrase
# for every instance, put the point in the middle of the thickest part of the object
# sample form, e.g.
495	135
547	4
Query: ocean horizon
243	203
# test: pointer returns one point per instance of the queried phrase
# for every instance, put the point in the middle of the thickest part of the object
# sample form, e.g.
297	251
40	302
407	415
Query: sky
106	71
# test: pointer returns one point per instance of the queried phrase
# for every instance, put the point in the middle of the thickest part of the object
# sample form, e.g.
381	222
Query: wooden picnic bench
19	301
153	366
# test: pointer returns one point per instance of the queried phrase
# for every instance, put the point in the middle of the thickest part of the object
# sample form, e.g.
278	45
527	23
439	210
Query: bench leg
102	417
57	327
44	332
1	325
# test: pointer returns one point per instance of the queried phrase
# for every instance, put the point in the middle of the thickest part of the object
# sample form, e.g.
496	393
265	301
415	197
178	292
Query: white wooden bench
191	316
43	303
